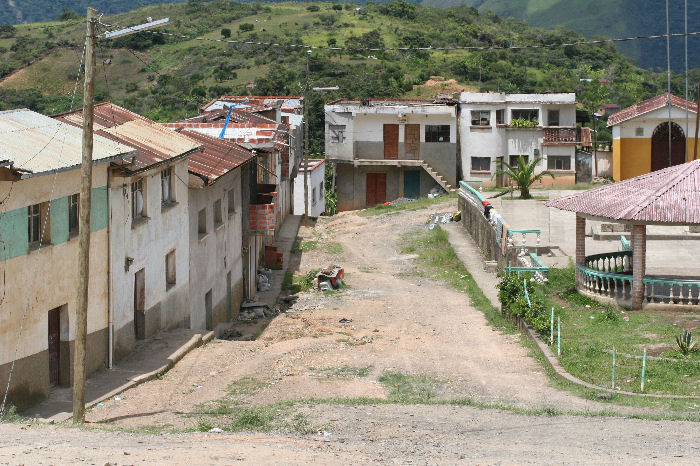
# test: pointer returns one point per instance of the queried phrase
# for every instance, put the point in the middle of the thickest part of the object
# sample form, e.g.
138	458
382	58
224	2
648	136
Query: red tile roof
154	144
218	157
650	105
668	196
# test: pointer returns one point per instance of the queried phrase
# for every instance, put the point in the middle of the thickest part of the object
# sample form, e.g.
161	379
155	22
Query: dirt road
404	338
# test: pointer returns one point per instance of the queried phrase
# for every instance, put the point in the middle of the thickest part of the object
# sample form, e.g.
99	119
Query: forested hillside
167	77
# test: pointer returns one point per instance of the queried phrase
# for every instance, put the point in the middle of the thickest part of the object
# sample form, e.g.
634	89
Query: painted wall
315	178
34	282
147	243
217	253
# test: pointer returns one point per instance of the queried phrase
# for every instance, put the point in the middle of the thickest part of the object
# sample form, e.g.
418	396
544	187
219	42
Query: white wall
315	178
649	121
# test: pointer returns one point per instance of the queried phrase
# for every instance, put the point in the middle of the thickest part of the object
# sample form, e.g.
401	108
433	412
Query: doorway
659	146
140	304
412	141
55	347
208	311
229	311
411	184
500	181
376	189
391	141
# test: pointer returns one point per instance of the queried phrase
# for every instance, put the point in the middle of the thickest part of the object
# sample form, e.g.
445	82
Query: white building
148	229
317	192
497	127
216	228
385	149
40	182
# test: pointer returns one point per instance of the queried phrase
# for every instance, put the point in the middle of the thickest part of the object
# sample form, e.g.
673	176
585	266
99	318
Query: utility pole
84	227
306	142
697	123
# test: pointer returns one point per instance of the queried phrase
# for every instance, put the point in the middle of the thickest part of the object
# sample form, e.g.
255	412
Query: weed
246	386
346	372
9	415
410	388
303	245
334	247
256	418
685	343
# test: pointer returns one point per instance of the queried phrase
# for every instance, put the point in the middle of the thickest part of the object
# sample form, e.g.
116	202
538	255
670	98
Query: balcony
609	275
559	135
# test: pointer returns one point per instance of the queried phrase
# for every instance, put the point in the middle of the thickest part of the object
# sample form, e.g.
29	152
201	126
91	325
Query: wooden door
391	141
412	141
411	184
376	189
659	146
140	304
54	346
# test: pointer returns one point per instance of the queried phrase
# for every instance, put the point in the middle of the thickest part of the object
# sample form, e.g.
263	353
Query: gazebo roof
668	196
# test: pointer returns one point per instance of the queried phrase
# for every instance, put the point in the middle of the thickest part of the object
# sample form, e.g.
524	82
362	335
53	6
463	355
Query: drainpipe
110	291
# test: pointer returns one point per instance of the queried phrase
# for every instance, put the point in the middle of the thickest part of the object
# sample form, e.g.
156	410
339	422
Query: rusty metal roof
650	105
237	116
35	143
668	196
154	143
218	157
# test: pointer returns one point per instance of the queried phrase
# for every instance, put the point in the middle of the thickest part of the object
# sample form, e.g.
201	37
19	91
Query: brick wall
261	217
639	249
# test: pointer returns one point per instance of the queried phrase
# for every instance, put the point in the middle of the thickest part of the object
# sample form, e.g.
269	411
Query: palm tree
523	175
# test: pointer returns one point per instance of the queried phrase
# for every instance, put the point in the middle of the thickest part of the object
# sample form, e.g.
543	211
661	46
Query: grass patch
296	283
420	203
410	388
345	372
333	247
437	260
303	245
246	386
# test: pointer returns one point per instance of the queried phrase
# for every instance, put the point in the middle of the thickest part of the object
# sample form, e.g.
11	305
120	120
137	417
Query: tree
67	14
226	33
246	27
401	9
523	174
338	7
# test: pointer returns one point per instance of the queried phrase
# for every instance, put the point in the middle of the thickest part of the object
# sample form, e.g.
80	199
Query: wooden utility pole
697	123
306	143
84	228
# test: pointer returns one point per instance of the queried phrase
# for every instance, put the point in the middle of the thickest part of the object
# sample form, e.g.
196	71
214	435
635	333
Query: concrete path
284	241
147	356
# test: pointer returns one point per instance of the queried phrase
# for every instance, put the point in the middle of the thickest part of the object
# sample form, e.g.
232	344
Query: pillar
639	249
580	244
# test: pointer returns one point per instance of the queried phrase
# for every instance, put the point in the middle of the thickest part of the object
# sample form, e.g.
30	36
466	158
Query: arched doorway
659	146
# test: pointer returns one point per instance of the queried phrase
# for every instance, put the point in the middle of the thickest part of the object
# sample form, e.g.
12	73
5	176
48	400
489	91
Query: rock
216	430
604	396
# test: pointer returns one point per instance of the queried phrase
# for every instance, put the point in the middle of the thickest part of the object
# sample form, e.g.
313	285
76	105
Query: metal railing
554	135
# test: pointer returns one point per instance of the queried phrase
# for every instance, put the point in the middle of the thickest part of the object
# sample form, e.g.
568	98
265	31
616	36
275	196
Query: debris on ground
257	310
329	278
401	201
345	321
436	192
264	280
443	217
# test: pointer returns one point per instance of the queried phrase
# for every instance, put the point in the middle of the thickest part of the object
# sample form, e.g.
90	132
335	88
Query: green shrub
246	27
511	293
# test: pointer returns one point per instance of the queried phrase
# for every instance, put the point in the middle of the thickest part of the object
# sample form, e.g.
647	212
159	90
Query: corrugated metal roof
154	143
218	157
668	196
39	144
650	105
237	116
270	101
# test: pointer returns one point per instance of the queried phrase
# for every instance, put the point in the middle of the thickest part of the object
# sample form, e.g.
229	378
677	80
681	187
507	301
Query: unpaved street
399	331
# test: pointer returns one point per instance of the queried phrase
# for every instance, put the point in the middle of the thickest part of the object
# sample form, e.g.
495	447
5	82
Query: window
166	186
481	118
526	114
437	133
231	202
313	196
559	162
337	133
137	200
513	160
73	214
481	164
218	220
170	269
553	118
639	131
320	190
500	117
38	224
202	223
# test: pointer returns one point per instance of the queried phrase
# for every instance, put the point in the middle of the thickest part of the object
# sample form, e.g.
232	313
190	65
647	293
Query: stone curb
194	342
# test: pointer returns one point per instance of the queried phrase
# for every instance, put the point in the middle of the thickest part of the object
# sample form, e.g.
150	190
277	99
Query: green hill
167	77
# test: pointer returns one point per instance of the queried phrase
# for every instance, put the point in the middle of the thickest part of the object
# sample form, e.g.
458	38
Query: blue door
411	184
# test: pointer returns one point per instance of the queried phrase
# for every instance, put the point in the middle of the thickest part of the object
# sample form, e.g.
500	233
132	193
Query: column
639	248
580	245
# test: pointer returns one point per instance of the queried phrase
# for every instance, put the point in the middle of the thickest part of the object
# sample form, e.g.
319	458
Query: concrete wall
33	282
218	253
316	176
147	243
481	230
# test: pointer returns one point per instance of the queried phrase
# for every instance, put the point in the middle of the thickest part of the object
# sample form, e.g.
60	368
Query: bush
313	8
246	27
512	296
226	33
337	7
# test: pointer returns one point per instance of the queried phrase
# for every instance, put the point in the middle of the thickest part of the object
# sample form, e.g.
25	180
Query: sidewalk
284	241
148	359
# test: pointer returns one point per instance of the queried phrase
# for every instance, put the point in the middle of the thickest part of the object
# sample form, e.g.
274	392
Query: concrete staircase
438	177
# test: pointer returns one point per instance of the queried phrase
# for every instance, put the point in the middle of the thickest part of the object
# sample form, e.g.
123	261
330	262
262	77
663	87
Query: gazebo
665	197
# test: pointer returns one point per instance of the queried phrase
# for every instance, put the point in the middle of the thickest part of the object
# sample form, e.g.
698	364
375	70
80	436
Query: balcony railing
609	275
557	135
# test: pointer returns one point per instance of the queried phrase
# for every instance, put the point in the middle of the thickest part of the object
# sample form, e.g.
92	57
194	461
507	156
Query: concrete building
497	127
148	226
317	192
385	149
39	192
216	224
640	136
